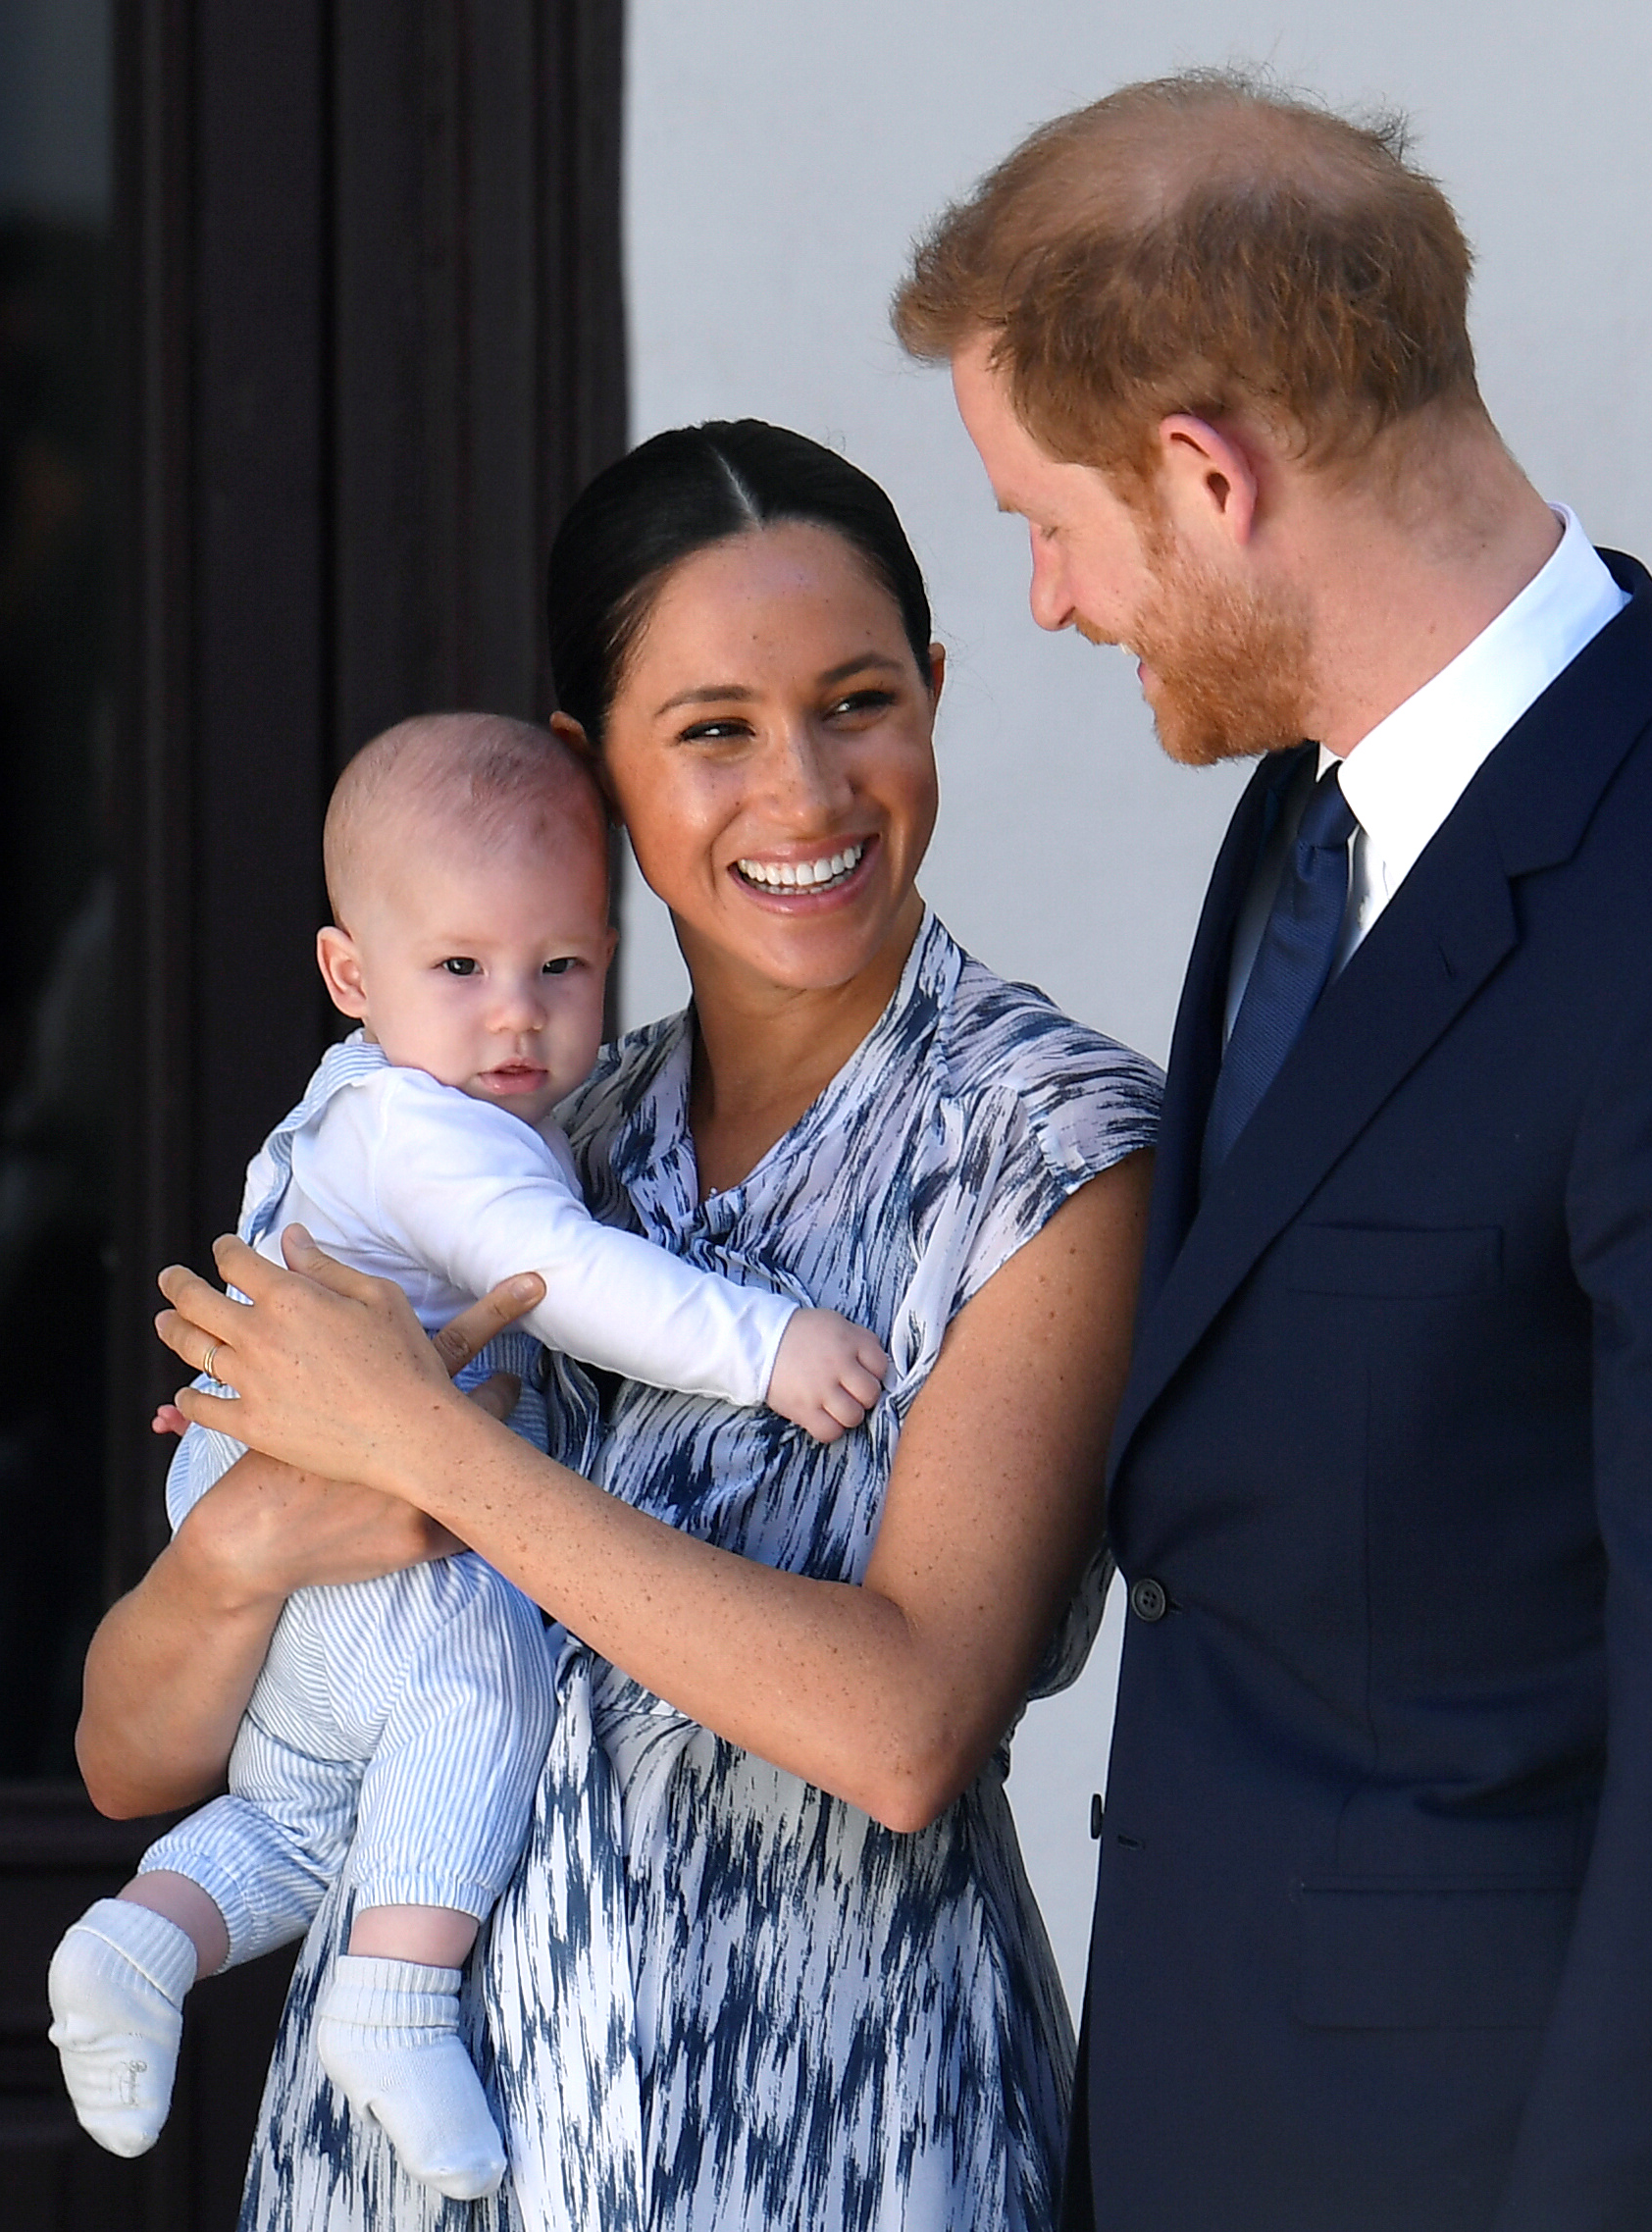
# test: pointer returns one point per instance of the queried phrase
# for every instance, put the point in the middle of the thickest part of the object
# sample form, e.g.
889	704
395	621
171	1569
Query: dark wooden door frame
370	344
376	344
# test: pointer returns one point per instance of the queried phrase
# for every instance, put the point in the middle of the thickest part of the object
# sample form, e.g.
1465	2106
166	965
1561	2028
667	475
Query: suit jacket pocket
1394	1260
1428	1957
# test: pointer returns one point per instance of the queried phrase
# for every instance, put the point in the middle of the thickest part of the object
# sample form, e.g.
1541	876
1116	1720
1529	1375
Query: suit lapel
1448	927
1195	1045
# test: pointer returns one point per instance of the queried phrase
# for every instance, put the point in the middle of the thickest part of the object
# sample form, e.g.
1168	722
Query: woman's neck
764	1053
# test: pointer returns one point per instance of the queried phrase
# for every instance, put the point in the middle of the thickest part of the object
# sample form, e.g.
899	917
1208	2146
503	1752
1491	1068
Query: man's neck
1397	595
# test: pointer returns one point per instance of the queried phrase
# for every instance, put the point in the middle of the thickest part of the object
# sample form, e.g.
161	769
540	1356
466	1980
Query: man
1372	1945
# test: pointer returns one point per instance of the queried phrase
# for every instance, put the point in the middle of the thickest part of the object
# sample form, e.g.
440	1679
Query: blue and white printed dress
715	1999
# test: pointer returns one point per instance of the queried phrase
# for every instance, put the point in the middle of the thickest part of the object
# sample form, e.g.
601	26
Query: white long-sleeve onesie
398	1726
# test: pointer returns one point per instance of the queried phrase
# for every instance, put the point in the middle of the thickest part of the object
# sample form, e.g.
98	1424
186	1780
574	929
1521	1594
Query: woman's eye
460	964
714	732
558	967
862	702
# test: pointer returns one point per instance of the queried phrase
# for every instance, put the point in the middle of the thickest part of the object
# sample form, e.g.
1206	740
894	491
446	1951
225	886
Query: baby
398	1726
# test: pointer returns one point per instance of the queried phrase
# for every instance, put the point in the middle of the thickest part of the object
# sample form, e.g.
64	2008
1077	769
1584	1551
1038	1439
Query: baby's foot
117	1984
388	2038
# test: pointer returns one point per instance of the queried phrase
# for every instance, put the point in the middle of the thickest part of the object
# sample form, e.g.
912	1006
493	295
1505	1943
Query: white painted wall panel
781	154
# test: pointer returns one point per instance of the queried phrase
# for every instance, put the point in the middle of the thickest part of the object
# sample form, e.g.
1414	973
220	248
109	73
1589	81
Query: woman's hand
891	1693
332	1372
173	1664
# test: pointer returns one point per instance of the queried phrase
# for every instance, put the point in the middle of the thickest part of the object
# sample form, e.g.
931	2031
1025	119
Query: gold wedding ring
206	1361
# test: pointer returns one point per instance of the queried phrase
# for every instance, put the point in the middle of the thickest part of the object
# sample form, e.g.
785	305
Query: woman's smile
795	880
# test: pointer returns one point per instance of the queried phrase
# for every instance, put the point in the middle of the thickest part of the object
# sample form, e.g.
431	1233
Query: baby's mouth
826	874
514	1077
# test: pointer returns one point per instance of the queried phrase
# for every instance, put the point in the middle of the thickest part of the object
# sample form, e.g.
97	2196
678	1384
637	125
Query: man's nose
1048	594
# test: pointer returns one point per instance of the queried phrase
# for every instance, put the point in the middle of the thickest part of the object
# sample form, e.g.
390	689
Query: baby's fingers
862	1386
871	1358
843	1406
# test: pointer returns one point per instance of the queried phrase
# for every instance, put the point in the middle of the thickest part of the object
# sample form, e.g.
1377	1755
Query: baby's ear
341	970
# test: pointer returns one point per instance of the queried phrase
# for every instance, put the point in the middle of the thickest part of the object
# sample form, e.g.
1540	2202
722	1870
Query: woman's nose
805	777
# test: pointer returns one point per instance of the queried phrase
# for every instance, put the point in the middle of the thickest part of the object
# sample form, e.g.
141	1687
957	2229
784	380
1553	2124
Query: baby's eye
460	964
558	967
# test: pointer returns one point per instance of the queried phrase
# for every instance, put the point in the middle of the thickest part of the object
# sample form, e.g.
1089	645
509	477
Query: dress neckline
653	1151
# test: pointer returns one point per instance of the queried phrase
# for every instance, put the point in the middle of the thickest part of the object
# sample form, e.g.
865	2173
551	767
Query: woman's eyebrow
860	666
706	694
723	692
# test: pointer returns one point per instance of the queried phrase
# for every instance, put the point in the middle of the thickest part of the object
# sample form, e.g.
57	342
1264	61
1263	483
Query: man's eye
558	967
460	964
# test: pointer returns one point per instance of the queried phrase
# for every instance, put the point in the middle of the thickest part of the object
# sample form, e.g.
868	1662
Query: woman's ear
937	672
572	734
341	970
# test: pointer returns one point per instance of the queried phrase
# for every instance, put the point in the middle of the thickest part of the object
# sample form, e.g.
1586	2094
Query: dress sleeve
1083	1105
471	1193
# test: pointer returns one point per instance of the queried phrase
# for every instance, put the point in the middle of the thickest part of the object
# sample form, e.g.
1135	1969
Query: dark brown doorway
297	371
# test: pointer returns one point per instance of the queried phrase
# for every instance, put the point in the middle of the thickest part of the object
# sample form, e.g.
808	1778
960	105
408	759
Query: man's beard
1231	667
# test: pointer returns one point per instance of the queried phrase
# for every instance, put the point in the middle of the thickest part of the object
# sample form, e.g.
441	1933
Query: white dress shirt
1406	774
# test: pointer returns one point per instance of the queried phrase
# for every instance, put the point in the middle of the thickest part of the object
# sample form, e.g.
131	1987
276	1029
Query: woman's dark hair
678	494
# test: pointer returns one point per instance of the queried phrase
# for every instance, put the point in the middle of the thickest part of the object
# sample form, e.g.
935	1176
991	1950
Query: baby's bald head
447	782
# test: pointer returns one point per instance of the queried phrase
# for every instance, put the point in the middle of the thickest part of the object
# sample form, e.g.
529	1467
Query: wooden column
370	344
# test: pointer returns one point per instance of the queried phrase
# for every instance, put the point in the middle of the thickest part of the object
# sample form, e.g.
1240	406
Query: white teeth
801	875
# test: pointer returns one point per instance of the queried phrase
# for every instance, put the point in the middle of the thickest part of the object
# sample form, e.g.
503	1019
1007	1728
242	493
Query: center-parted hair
1203	243
680	492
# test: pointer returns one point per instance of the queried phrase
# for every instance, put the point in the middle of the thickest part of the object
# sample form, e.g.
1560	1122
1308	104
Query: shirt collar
1409	770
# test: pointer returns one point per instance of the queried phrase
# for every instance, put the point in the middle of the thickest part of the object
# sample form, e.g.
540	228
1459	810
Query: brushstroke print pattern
715	1999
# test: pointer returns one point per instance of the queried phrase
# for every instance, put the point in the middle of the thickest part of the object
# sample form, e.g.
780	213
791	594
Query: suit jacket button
1096	1813
1148	1600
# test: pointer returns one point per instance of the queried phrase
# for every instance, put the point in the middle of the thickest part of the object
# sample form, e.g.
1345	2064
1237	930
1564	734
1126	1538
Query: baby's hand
169	1419
827	1374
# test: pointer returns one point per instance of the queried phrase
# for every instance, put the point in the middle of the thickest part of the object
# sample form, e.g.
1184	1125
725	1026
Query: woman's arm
890	1694
173	1664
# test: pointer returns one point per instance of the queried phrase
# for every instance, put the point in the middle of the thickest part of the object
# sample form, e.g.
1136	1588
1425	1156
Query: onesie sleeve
473	1194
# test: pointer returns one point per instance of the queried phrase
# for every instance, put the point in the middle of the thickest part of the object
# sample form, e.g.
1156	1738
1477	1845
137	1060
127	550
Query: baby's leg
241	1876
116	1985
444	1814
387	2035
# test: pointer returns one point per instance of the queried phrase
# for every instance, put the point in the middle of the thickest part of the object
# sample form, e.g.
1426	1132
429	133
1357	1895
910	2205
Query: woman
771	1957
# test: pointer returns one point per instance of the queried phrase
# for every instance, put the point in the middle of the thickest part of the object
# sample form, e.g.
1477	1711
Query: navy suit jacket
1372	1947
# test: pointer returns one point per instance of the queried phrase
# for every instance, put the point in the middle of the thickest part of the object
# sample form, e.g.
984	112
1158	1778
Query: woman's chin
816	941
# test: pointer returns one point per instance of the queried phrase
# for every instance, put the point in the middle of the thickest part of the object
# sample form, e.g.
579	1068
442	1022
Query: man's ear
573	734
341	970
1207	478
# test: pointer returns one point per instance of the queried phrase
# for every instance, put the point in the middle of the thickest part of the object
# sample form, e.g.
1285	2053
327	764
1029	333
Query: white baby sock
117	1984
389	2037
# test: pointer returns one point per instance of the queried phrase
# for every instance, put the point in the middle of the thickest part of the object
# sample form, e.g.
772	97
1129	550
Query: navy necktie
1291	967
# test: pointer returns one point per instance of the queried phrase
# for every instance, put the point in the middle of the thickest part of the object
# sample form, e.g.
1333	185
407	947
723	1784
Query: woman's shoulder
999	1039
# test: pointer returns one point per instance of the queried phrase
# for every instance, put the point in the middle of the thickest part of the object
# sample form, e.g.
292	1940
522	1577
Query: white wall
780	156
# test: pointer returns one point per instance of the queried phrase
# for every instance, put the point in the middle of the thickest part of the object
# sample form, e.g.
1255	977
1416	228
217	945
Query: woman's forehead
777	594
